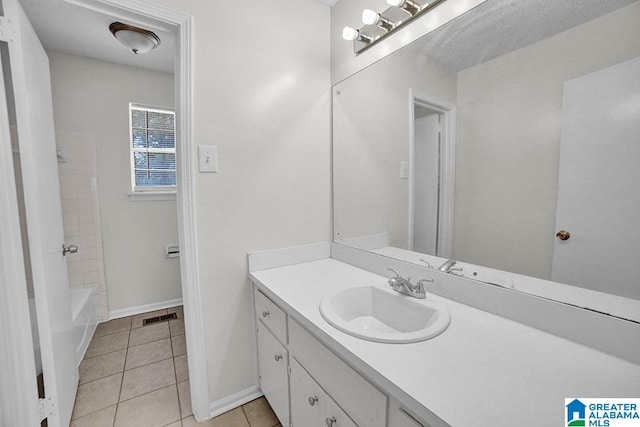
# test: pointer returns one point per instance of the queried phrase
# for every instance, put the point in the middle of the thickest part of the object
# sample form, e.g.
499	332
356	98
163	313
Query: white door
599	182
307	398
34	115
426	179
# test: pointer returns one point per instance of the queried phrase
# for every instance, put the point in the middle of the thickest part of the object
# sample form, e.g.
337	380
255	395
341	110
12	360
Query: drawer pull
313	400
265	313
331	421
278	357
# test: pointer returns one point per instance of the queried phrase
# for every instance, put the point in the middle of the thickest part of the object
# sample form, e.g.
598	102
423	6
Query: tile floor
135	375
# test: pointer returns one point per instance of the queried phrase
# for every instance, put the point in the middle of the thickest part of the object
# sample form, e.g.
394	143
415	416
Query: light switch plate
208	158
404	170
61	153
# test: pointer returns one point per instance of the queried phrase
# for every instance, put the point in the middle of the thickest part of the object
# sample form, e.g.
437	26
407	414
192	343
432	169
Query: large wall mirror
508	138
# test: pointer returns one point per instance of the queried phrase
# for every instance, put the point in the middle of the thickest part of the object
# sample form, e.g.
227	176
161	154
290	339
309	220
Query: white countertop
484	370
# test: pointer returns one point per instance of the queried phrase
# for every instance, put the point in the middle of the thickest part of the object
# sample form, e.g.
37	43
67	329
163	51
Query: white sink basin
382	315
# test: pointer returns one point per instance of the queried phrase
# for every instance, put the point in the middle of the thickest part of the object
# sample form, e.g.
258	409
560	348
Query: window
153	148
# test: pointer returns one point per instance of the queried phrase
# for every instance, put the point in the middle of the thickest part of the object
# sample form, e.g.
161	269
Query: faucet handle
421	282
426	262
420	292
395	272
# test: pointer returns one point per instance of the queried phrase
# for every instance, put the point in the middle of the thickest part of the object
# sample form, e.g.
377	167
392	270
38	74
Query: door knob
72	249
278	357
563	235
313	400
331	421
265	313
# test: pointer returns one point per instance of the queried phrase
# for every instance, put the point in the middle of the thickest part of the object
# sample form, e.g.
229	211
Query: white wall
93	96
370	139
261	94
509	118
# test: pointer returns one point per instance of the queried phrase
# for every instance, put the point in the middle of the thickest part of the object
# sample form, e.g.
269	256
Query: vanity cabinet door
274	380
335	416
307	398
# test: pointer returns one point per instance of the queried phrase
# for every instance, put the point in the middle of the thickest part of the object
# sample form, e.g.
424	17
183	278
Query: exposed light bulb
407	5
349	33
370	17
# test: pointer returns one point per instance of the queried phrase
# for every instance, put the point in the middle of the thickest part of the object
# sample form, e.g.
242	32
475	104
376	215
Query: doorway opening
139	13
431	174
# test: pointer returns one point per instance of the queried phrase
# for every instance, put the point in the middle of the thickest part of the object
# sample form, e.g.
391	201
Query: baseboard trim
131	311
235	400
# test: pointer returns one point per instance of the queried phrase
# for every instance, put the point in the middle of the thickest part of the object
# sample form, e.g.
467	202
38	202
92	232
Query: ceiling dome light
136	39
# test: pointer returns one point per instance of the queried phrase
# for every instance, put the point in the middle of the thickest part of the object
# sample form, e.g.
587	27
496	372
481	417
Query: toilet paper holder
172	251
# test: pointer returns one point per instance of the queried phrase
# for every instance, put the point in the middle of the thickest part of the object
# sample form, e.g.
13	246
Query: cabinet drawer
364	403
271	315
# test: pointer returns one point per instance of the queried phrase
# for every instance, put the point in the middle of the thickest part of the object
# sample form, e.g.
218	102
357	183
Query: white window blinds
153	148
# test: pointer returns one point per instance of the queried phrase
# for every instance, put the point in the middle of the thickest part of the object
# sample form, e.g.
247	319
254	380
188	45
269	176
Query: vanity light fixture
371	17
407	5
378	25
136	39
352	34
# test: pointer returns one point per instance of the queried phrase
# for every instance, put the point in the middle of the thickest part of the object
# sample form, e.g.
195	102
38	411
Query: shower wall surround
78	172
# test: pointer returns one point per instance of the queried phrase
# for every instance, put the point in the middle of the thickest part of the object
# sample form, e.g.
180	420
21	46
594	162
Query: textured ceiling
497	27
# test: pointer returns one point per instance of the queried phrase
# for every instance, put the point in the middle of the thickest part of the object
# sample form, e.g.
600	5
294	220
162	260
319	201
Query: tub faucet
404	286
447	266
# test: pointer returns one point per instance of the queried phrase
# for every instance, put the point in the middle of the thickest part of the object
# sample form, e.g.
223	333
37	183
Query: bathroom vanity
482	370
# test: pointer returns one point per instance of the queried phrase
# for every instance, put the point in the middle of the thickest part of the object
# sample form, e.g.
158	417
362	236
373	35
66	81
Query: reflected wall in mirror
512	73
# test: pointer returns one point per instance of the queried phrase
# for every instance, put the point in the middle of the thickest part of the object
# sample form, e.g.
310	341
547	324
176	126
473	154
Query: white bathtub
83	312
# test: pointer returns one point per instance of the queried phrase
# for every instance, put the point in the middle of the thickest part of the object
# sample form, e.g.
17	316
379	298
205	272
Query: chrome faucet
447	266
404	286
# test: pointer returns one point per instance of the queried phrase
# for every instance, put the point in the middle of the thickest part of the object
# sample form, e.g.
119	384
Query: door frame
447	168
19	392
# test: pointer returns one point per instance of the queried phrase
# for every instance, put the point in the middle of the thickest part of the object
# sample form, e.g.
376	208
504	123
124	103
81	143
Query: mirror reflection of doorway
426	181
431	174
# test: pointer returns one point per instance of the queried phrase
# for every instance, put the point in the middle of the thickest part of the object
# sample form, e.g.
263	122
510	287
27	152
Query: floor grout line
245	415
175	376
124	370
115	415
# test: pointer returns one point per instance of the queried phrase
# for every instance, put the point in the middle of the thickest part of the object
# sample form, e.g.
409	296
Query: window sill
152	196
